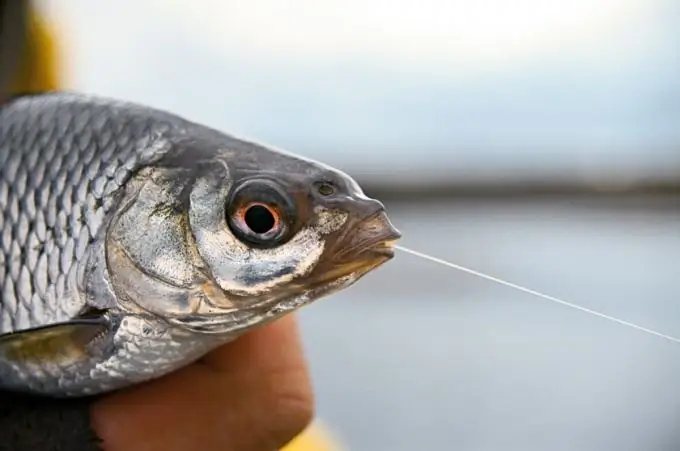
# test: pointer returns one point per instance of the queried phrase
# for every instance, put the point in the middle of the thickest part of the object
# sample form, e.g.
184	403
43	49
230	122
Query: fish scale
50	211
63	159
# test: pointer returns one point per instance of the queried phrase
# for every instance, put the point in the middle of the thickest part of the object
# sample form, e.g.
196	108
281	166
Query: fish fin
61	343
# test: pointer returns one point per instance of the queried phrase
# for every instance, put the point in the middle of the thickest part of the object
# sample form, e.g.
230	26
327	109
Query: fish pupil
259	219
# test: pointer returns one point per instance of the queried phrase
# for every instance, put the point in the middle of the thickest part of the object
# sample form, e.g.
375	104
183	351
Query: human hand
251	394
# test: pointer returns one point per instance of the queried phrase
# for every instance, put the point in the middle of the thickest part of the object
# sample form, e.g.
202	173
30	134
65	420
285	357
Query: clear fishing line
536	293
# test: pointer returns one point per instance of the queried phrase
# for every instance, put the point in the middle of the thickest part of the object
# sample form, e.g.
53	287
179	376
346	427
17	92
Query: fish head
296	226
256	233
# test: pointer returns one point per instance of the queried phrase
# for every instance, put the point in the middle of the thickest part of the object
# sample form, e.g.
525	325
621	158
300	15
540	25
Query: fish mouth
372	238
383	248
367	260
369	246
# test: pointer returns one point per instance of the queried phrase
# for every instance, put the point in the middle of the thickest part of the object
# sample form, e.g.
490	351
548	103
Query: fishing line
536	293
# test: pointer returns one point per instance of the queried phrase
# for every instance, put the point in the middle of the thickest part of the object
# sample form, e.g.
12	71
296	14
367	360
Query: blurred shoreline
642	193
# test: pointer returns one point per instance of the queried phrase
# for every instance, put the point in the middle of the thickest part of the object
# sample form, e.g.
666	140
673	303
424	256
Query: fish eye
259	213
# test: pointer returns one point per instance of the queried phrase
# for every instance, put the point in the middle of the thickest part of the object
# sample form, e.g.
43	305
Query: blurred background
538	141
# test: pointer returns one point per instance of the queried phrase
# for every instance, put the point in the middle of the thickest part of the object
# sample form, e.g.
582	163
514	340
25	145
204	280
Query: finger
253	394
274	348
170	413
272	359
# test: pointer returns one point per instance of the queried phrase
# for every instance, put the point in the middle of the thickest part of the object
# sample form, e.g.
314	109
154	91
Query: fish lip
375	244
366	259
370	260
383	248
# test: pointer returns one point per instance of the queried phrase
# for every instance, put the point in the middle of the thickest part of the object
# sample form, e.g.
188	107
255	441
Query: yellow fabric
315	438
39	72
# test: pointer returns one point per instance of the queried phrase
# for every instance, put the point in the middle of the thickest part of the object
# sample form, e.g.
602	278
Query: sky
451	88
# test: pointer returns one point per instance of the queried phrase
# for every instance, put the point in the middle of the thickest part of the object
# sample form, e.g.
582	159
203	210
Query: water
417	356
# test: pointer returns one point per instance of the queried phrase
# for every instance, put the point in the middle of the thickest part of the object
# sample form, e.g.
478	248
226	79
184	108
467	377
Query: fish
134	241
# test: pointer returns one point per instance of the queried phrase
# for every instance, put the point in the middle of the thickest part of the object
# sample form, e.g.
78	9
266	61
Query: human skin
253	394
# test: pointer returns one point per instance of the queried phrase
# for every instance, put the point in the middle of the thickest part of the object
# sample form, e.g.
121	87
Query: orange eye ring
259	219
260	213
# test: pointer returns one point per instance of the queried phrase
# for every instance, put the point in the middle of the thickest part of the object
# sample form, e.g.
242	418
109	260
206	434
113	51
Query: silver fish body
133	241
